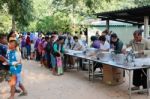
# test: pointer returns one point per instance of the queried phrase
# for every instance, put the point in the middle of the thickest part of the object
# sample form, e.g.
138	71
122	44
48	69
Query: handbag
59	61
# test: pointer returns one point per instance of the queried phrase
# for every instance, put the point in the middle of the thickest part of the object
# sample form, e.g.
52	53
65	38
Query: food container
90	51
120	59
104	56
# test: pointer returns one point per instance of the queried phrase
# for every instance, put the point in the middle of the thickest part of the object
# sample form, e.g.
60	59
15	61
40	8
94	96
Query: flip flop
23	94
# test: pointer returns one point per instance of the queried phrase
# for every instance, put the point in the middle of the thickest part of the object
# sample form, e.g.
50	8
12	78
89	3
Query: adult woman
56	55
28	45
116	44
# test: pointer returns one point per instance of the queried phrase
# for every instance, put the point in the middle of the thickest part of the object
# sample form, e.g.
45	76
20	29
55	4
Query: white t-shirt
82	44
32	48
76	45
105	46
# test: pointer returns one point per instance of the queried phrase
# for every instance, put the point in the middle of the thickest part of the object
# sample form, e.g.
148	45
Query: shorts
18	80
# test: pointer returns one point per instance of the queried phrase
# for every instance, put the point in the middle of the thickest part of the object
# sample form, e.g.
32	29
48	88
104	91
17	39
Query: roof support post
107	24
146	26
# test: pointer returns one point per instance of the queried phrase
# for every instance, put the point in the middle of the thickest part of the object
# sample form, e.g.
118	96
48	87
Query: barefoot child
14	60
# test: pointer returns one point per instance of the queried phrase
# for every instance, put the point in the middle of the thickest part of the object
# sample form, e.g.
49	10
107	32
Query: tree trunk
13	24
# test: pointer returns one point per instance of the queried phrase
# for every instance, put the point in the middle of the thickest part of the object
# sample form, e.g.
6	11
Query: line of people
49	50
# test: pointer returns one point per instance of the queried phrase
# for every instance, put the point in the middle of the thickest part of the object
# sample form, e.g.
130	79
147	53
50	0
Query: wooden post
146	26
107	24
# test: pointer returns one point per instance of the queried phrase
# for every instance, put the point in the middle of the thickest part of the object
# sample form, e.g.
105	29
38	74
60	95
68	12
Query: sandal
23	94
17	91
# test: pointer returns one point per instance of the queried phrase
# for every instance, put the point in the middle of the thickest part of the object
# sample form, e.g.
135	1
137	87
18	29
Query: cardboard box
112	76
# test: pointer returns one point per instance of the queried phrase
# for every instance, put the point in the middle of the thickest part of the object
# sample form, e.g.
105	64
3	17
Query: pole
107	24
146	26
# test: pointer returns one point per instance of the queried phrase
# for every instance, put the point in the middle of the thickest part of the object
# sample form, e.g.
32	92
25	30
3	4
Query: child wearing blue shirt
14	60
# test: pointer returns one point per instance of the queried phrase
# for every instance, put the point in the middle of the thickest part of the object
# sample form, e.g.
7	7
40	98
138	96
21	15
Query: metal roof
133	15
111	23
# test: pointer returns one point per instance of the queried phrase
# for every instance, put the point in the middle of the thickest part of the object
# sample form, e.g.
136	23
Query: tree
142	2
20	10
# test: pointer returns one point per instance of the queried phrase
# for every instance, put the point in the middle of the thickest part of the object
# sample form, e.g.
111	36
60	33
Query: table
113	64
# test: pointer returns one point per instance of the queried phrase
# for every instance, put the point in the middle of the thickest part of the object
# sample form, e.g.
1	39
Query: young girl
40	49
14	60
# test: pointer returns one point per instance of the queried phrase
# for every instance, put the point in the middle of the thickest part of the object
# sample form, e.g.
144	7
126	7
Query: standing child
45	62
14	60
32	50
40	49
28	45
23	48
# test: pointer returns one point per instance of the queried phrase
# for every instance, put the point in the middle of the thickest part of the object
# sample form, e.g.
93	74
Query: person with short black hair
56	56
12	34
116	43
143	47
48	49
14	60
95	42
76	45
104	45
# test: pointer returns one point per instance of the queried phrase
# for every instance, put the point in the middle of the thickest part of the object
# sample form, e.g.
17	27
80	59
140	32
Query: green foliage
59	22
5	22
142	2
56	15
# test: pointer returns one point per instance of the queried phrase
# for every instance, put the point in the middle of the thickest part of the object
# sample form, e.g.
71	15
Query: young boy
14	60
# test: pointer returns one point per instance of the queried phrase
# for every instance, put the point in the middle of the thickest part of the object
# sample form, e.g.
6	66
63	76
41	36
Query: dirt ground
41	84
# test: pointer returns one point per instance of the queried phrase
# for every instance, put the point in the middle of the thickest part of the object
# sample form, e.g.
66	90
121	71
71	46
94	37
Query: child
14	60
40	49
23	48
32	50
